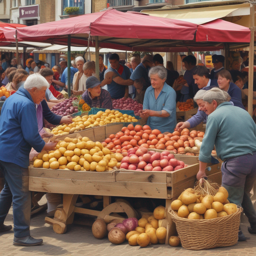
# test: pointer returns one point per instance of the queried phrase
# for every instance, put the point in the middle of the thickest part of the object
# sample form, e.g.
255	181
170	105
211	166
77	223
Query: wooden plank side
192	170
99	133
113	129
80	187
133	176
178	188
66	174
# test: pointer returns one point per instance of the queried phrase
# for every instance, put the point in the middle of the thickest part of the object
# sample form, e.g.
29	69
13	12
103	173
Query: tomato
156	132
154	142
104	144
112	136
136	137
145	136
139	133
117	142
125	143
170	147
123	129
129	146
146	127
138	128
133	142
118	146
124	138
152	146
162	141
149	142
118	151
176	133
127	132
130	127
147	131
152	136
119	134
144	145
161	146
169	143
107	140
132	133
110	145
160	136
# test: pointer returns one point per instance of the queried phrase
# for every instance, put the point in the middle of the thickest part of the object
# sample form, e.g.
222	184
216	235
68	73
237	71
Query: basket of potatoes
205	221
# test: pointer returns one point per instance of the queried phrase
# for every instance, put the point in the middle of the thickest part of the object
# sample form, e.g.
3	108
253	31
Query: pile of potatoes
79	154
101	118
193	206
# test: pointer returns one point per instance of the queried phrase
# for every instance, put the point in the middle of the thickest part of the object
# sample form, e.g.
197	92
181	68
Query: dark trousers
15	191
238	177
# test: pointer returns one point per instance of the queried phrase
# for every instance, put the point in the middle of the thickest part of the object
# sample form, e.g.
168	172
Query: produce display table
118	183
185	115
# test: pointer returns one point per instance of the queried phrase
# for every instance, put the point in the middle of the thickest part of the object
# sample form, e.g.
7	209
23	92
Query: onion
146	157
163	163
125	159
173	162
134	159
130	224
157	169
142	164
132	167
148	168
168	169
124	165
122	227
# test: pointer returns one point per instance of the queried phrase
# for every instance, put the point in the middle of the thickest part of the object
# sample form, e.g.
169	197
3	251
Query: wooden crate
185	115
71	182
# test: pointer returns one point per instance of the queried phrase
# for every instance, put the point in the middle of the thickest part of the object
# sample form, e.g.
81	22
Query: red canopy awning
6	27
222	31
112	27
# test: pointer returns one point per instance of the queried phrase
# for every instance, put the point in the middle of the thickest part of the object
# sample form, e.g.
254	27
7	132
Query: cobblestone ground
80	241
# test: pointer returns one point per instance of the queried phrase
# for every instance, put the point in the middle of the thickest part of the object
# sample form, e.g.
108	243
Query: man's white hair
35	81
79	58
199	95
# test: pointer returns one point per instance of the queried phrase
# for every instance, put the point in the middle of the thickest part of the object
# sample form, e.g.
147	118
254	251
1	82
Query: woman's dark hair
190	59
11	75
201	71
46	72
114	56
102	56
226	74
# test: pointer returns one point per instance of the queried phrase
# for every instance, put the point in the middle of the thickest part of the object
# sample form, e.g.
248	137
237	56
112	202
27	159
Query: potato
85	139
93	166
106	151
230	208
129	234
93	151
176	204
57	154
54	165
142	222
189	197
140	230
46	165
77	151
45	157
217	206
191	207
71	146
81	161
62	167
159	213
77	167
207	201
100	168
96	158
210	214
62	150
38	163
81	145
148	225
154	223
193	216
75	158
86	165
98	144
222	214
69	153
174	241
199	208
51	155
224	191
133	239
151	232
183	211
84	151
99	229
143	240
71	165
52	160
112	163
63	144
90	144
161	233
88	158
220	197
116	236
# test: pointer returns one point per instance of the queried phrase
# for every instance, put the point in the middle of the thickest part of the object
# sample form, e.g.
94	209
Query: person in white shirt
79	79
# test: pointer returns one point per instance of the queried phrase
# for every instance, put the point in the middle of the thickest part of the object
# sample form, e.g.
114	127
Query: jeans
15	191
238	177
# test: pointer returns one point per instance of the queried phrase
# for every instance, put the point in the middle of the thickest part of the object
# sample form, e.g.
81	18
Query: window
14	3
120	2
74	3
30	2
194	1
156	1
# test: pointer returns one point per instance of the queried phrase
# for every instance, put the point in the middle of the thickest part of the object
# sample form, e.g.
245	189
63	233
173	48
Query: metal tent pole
97	65
69	62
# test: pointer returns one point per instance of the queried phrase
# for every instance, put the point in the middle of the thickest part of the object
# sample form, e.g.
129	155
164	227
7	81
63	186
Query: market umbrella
6	27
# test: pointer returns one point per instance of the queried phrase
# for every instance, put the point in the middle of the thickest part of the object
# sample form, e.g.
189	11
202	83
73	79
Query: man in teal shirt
159	106
233	132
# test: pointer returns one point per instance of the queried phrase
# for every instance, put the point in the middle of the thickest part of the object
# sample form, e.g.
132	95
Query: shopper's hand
145	113
200	175
181	125
66	120
50	145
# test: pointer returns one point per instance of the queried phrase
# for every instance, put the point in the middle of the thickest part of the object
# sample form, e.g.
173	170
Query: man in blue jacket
18	134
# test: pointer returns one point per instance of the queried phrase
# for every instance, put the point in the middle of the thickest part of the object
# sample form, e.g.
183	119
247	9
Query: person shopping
236	147
159	106
18	134
95	96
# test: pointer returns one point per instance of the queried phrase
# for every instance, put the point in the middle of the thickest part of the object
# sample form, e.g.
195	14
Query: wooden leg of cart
64	216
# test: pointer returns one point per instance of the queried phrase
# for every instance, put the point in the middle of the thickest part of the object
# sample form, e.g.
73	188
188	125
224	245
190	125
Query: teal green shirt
233	132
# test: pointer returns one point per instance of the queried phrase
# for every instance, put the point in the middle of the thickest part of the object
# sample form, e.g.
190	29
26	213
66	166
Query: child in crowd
139	85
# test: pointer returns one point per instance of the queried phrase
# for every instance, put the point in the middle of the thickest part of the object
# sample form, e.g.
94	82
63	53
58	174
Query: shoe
27	241
252	230
4	228
241	236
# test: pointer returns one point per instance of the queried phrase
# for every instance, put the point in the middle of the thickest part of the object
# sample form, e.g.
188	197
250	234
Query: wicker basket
207	234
